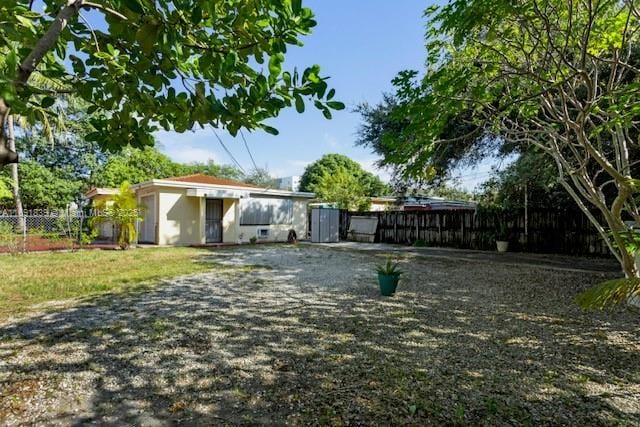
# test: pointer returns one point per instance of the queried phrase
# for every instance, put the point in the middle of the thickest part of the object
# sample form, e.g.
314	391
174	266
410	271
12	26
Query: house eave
232	188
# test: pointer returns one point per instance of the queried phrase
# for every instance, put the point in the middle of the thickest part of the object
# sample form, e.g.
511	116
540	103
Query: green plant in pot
388	277
253	240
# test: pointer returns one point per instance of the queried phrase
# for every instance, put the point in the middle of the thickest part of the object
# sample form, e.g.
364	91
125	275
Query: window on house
266	211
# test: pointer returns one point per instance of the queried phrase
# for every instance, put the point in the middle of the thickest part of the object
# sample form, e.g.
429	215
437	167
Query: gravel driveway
299	335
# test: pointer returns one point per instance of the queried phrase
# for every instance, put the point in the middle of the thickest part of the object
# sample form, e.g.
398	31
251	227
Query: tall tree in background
212	168
260	177
388	130
344	189
173	64
332	163
135	166
138	165
561	76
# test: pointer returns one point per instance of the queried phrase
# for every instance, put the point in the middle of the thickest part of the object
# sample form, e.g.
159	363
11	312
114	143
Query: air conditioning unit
263	233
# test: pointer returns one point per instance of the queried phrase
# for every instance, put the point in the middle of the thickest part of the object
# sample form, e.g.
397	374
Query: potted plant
253	240
502	237
388	277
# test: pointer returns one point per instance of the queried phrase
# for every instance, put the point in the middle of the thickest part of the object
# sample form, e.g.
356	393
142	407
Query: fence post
24	234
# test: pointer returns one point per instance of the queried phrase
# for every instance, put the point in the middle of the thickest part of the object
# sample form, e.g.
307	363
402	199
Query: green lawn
53	276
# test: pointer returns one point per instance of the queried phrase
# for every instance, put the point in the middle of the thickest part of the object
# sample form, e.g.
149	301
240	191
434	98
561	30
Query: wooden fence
547	231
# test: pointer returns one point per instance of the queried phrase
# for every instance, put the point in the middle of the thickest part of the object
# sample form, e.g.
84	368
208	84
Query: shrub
8	238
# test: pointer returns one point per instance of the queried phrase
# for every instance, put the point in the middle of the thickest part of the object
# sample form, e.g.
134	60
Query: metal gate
213	221
325	224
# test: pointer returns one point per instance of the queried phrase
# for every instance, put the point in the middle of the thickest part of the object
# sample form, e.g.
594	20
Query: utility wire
233	159
255	166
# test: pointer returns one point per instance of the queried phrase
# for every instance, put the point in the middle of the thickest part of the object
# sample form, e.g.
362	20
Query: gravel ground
299	335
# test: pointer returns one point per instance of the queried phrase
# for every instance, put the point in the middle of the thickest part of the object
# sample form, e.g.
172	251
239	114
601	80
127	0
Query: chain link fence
53	230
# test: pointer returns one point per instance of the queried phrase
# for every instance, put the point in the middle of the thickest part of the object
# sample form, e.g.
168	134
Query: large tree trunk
15	178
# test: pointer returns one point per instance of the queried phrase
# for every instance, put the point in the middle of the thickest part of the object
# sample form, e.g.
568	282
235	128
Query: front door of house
213	221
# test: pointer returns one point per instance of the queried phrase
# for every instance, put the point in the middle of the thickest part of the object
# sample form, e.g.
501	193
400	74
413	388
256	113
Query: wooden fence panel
549	231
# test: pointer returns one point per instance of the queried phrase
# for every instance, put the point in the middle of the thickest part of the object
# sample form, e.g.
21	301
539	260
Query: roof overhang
223	191
216	193
94	192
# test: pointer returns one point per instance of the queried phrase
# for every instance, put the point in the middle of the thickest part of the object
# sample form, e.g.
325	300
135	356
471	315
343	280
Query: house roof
199	178
200	182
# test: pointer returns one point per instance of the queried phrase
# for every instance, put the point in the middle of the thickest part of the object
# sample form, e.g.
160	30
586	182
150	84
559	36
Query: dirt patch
304	337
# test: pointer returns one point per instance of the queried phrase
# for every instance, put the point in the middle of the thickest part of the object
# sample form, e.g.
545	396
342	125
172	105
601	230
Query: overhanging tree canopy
561	76
147	64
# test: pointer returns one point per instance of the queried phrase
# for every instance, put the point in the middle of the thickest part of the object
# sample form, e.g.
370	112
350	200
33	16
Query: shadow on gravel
309	340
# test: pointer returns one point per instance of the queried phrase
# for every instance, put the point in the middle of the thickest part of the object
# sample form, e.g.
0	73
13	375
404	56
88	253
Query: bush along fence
538	230
52	230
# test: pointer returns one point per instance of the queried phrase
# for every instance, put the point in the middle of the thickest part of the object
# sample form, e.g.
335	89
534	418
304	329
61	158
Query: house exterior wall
179	218
230	220
280	232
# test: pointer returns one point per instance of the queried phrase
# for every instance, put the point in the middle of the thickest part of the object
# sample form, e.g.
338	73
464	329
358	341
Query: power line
233	159
255	166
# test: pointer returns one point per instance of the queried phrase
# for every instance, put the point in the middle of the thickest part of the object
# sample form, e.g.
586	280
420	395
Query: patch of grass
56	276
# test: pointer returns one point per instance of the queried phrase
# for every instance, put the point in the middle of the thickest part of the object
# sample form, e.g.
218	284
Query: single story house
200	209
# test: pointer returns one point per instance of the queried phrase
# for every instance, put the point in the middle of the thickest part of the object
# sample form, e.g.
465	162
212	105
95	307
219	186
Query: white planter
502	246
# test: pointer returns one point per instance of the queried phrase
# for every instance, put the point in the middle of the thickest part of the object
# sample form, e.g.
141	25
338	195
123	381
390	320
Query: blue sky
361	45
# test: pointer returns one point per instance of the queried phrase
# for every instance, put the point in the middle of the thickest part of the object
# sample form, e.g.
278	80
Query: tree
135	166
123	211
260	177
532	173
172	64
387	129
213	169
331	164
560	76
60	144
344	189
43	188
15	178
138	165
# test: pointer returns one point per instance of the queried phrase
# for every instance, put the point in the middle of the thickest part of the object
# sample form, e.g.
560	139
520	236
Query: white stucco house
201	209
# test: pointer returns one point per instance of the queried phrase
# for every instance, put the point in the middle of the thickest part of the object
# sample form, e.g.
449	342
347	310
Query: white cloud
331	140
185	147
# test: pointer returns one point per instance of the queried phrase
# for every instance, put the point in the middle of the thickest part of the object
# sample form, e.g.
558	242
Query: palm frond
609	294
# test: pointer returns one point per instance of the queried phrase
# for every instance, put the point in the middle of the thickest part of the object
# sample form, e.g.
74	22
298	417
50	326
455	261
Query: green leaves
296	6
147	36
169	64
47	102
299	104
275	64
270	130
134	6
